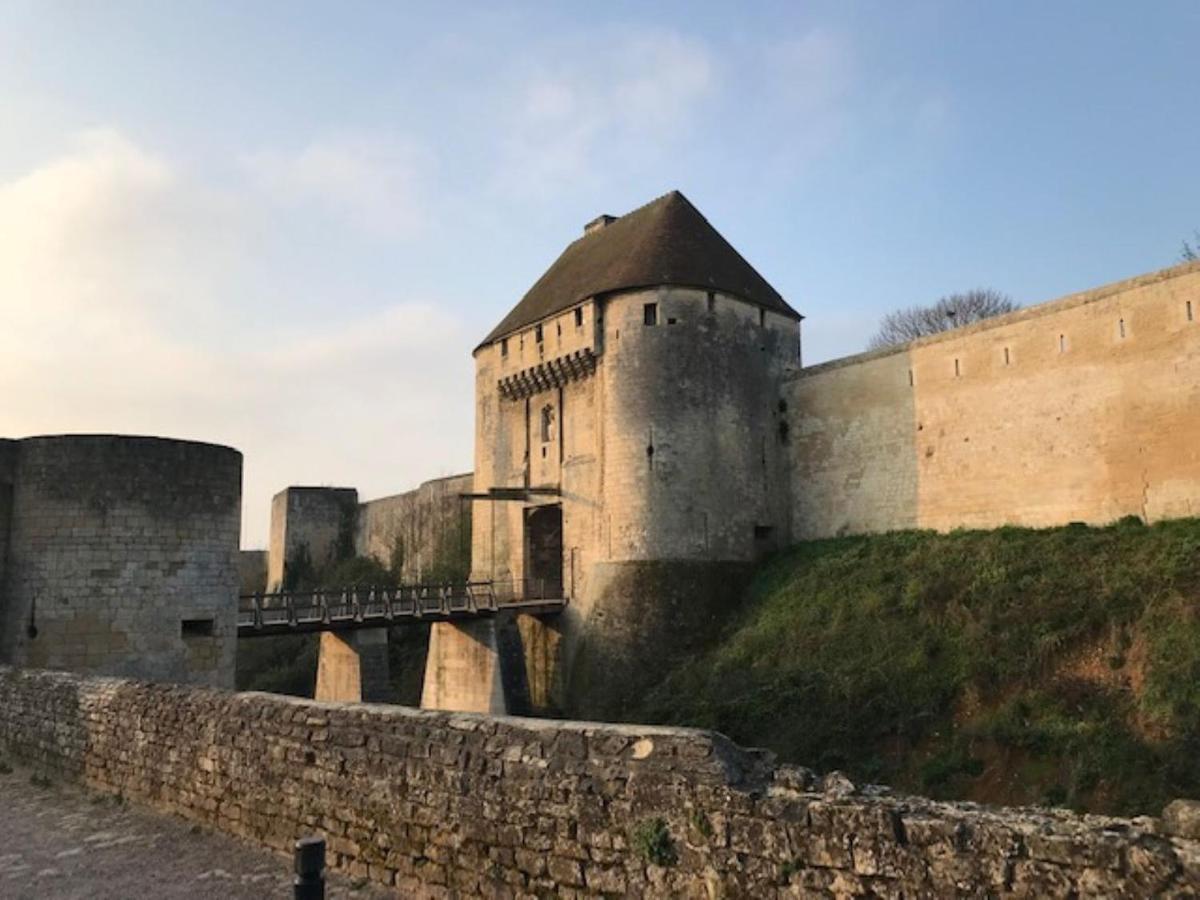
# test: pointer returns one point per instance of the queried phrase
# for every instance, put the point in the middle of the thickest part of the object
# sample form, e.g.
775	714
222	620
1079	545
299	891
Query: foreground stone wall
1084	409
440	804
122	557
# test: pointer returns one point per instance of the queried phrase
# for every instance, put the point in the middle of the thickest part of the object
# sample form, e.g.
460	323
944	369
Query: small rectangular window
762	532
957	371
558	328
579	317
537	333
1062	343
650	314
196	628
910	378
504	346
712	301
1189	311
762	317
1007	359
1121	327
670	320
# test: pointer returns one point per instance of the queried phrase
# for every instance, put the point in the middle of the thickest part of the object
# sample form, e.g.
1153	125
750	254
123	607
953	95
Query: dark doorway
544	553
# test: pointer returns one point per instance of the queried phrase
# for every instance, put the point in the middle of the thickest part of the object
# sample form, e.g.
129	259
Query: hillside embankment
1011	666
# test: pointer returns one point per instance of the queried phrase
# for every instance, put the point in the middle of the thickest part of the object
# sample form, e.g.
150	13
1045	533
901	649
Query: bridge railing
327	609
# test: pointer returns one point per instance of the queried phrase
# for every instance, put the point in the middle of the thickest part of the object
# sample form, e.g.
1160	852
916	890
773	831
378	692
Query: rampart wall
311	527
424	533
1083	409
121	556
439	804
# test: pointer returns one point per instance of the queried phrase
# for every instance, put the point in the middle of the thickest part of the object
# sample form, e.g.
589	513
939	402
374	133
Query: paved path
61	843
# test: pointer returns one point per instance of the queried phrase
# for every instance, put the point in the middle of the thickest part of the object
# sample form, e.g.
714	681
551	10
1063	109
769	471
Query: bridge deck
347	609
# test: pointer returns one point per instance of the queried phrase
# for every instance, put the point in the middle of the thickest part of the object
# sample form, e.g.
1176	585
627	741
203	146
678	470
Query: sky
285	226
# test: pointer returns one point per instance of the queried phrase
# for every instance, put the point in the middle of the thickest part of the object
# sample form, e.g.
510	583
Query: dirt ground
58	842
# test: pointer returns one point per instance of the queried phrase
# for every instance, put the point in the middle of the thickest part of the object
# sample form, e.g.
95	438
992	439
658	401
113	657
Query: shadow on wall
641	609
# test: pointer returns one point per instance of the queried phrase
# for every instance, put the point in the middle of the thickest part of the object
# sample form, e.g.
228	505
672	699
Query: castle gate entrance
543	552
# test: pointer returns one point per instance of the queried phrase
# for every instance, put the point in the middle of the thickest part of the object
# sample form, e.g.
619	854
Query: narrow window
579	317
1121	327
712	301
1062	343
762	317
1007	360
910	378
650	314
537	334
194	628
1189	311
957	371
504	346
558	328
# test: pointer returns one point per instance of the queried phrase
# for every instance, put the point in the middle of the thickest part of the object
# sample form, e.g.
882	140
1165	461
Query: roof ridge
665	241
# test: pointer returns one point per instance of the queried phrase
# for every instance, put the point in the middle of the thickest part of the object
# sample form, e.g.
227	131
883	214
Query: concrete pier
353	667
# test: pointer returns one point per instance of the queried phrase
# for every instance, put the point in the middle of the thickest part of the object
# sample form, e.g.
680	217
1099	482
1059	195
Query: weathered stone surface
119	556
1182	818
438	804
1080	409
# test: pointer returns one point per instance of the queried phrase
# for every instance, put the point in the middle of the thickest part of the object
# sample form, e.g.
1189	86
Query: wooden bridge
351	608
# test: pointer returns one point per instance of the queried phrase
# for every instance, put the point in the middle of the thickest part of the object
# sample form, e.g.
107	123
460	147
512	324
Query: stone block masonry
444	805
120	556
1082	409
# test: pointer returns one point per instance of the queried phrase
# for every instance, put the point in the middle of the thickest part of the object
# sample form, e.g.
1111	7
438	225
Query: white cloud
372	183
572	113
806	94
126	301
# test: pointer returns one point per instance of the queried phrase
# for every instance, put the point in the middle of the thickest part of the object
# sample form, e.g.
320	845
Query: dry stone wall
445	805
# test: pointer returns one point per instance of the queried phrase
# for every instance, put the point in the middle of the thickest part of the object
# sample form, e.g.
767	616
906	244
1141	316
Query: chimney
599	222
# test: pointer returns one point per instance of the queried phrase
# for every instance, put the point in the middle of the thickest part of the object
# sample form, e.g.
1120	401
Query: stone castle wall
440	805
671	447
425	532
122	557
8	464
311	527
1084	409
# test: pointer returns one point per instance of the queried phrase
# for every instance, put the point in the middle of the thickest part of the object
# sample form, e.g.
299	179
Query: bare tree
1191	252
952	311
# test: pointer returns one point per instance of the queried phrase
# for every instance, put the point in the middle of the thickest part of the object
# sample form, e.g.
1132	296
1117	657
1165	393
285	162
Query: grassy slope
1015	665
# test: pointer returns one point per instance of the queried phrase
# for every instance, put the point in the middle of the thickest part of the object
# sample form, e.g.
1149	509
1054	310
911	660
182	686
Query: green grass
948	663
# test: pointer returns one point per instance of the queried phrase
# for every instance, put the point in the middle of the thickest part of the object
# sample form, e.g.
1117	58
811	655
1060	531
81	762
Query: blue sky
283	226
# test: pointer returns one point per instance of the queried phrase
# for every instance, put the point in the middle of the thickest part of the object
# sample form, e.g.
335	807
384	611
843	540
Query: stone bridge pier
352	666
499	665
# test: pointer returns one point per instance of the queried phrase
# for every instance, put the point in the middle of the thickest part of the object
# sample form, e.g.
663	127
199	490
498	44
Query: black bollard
310	869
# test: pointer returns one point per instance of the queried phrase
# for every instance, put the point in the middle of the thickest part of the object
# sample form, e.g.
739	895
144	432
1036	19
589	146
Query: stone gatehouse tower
630	454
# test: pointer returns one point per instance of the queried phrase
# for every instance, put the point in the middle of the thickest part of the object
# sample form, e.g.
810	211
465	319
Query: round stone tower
122	556
630	444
